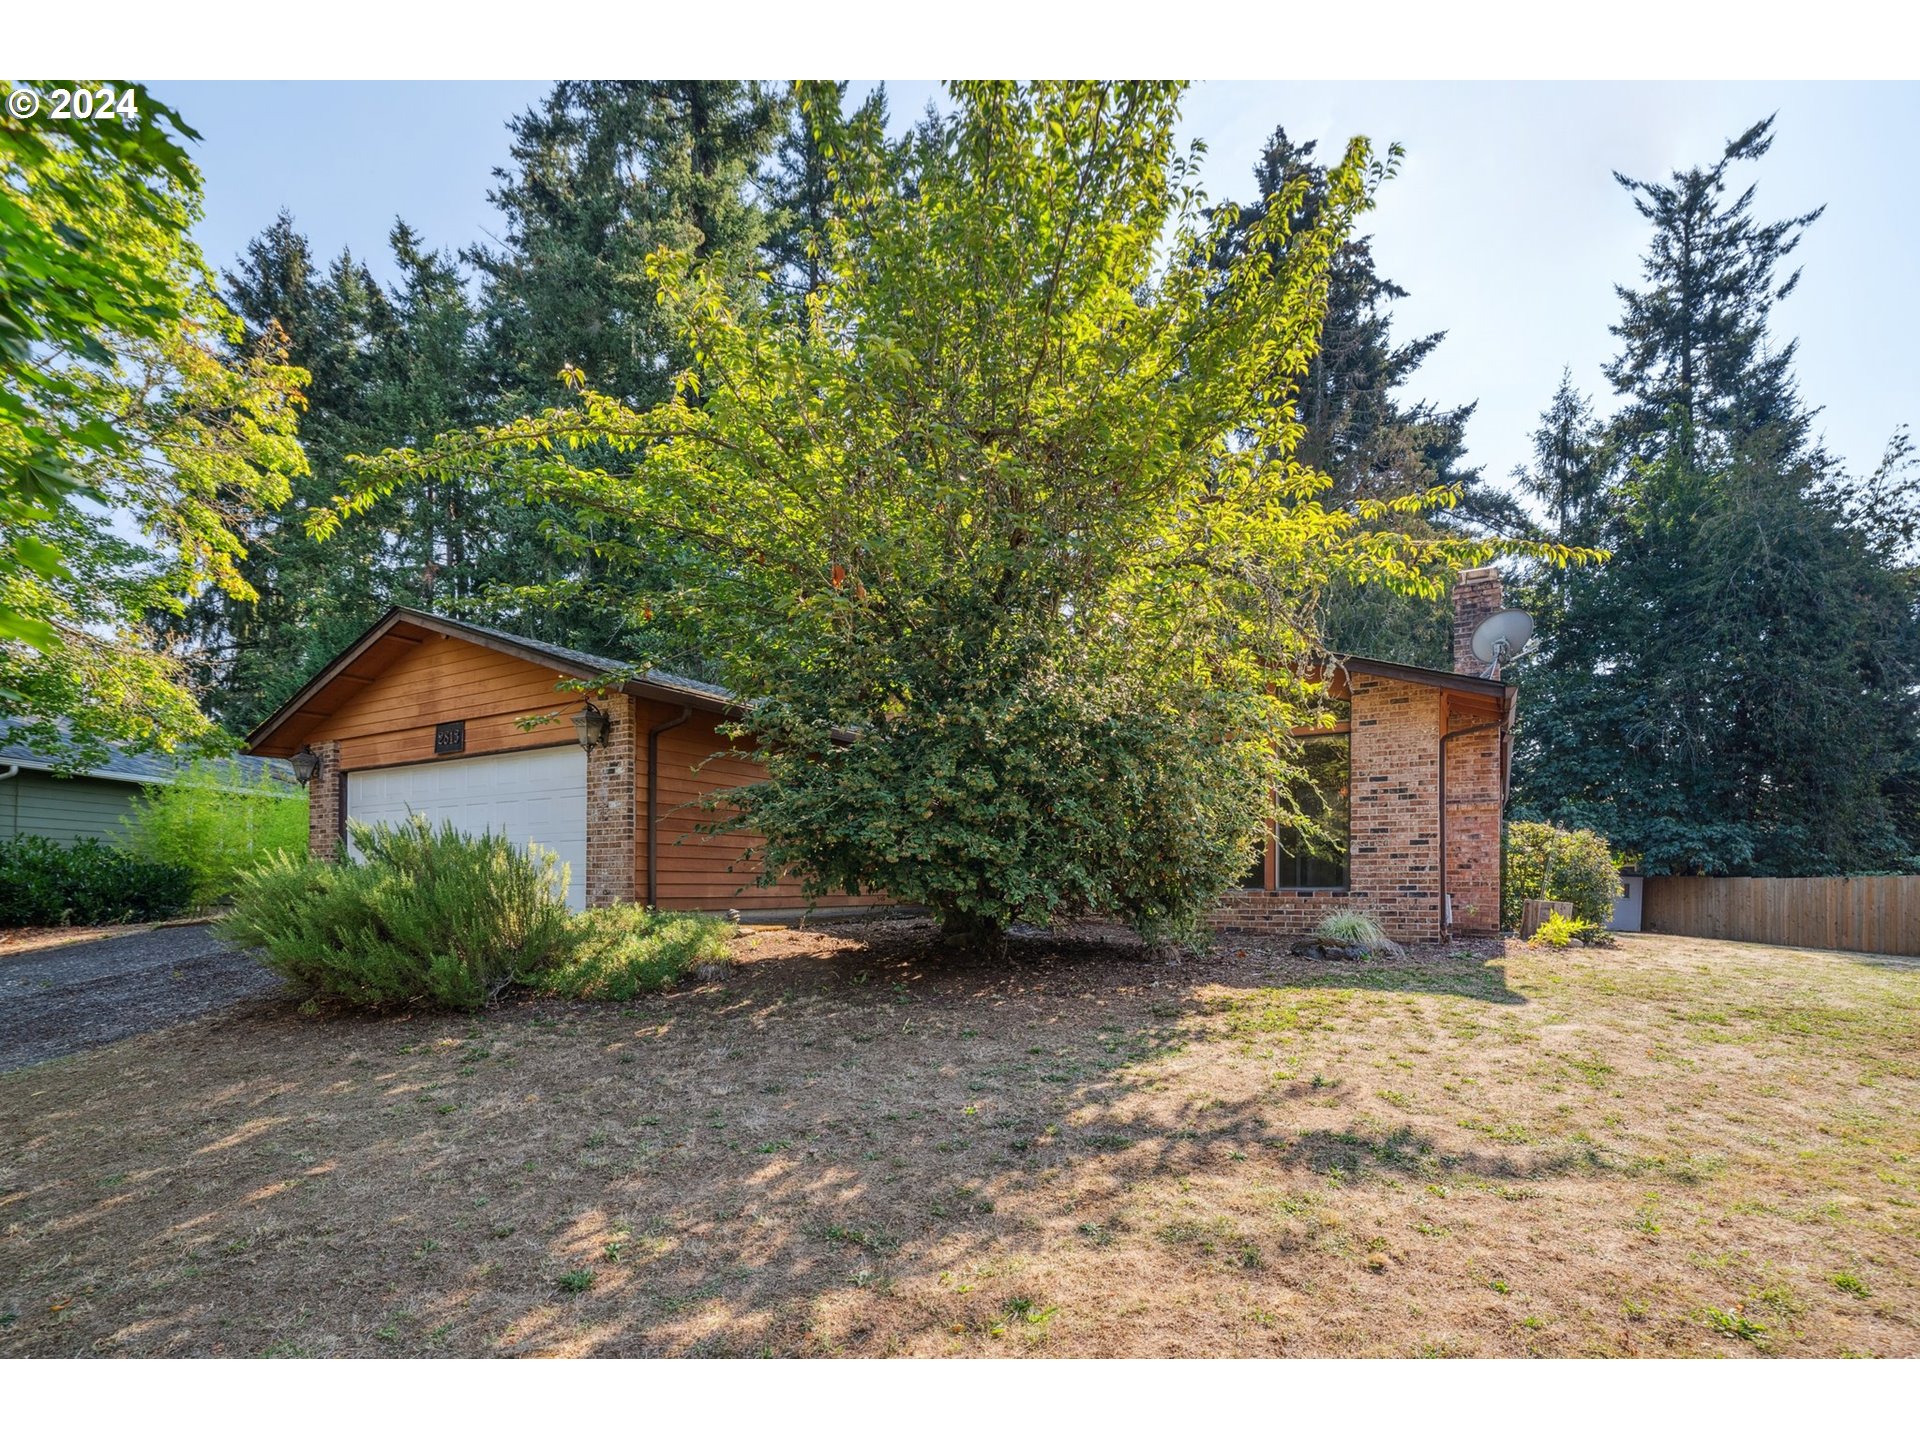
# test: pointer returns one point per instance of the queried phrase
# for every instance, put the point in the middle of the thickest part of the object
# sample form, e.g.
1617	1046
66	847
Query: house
543	743
1413	785
43	793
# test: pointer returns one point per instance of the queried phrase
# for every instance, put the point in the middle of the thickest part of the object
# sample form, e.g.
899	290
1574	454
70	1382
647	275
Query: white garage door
538	797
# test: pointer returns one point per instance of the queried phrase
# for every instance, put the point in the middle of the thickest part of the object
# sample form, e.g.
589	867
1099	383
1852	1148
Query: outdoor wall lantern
306	764
592	724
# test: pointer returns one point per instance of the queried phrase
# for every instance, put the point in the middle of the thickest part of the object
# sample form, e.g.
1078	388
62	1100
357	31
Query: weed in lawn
576	1282
1848	1283
1735	1325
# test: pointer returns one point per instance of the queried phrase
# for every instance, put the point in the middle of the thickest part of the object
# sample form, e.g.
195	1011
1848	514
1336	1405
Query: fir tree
603	173
1735	691
821	138
1360	430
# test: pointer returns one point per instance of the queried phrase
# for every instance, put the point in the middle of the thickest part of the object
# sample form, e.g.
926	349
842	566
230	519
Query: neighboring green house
41	795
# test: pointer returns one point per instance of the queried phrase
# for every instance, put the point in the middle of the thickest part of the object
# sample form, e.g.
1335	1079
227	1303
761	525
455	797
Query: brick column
1476	595
612	806
324	826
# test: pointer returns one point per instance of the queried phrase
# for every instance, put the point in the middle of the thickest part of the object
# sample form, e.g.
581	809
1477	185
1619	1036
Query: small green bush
425	915
618	952
1547	863
1558	932
86	883
1356	930
217	822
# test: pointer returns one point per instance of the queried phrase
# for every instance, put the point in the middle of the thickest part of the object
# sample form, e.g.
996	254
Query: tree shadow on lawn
799	1160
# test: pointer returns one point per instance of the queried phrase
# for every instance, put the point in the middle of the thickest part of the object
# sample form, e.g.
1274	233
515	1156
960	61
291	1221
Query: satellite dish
1501	636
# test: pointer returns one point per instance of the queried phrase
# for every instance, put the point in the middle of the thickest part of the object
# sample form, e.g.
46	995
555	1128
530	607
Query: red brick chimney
1476	595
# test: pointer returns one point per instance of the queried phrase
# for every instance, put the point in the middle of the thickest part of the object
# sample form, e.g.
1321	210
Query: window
1317	860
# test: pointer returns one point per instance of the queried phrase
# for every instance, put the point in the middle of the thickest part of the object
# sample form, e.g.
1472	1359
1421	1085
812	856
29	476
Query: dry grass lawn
858	1145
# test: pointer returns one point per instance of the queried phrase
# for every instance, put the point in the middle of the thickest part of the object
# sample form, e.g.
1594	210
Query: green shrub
1557	932
424	915
86	883
1356	930
217	822
622	950
1547	863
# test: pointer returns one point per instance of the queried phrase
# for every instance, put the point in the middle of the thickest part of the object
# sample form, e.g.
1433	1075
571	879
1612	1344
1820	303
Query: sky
1504	223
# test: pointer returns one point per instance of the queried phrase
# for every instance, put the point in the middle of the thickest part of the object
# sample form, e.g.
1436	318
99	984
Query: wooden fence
1876	913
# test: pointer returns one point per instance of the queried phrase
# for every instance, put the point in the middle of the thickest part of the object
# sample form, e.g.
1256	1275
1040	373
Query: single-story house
430	715
1415	782
43	793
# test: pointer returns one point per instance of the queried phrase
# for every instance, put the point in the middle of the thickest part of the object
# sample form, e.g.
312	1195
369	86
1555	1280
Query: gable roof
401	628
130	766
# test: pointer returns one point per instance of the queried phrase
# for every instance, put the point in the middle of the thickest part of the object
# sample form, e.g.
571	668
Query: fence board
1879	914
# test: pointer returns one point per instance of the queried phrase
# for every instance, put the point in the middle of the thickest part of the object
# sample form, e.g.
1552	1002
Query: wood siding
1879	914
35	803
700	870
391	721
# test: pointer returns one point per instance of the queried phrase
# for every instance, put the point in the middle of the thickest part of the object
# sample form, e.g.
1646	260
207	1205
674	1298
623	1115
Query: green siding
34	803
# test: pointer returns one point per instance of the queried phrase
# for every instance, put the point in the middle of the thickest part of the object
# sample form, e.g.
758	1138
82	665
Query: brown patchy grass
859	1145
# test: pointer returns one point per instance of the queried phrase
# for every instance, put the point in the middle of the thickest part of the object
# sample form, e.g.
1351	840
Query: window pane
1319	861
1256	876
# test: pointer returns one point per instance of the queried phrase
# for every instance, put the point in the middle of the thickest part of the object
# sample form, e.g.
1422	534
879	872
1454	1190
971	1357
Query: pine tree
821	138
1569	472
250	654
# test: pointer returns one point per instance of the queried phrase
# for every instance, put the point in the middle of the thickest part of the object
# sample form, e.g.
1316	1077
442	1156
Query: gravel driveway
64	998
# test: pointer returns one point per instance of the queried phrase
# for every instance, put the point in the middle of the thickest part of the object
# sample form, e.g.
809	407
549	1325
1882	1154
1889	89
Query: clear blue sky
1504	223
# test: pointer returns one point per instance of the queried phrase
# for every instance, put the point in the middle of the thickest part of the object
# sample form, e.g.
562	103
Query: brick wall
1395	846
1476	595
323	802
1473	829
612	806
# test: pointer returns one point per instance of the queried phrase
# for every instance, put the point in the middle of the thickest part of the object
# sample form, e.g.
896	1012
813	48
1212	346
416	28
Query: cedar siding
699	870
391	721
411	679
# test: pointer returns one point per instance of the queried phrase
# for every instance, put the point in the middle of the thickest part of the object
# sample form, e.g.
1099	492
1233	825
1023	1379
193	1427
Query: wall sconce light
592	724
306	764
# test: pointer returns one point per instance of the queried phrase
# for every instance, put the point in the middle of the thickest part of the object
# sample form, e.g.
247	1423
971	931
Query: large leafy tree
136	434
1004	532
1359	427
1736	690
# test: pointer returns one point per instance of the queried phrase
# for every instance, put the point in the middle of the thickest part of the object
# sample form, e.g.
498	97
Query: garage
620	774
536	797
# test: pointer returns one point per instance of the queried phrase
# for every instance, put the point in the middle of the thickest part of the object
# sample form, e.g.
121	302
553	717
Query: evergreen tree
603	173
1569	473
308	599
1734	691
821	138
1358	429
